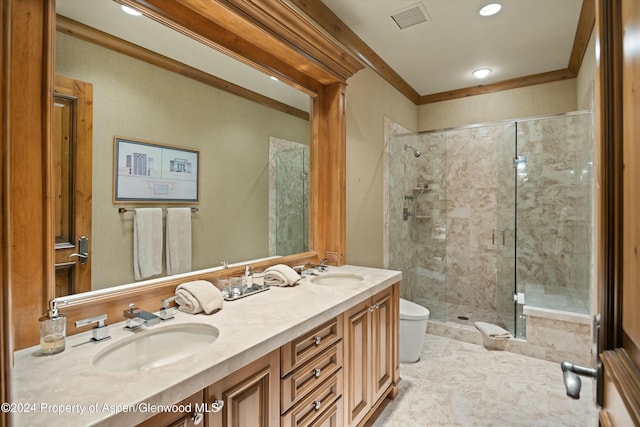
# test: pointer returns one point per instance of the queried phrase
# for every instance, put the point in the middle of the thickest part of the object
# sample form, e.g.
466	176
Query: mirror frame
271	36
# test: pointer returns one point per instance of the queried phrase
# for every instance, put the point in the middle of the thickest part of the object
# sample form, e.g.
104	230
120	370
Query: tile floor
464	385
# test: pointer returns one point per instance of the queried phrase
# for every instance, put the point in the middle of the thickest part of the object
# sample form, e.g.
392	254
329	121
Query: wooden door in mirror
72	147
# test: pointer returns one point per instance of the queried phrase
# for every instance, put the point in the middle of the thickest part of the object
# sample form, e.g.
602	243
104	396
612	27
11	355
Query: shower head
416	153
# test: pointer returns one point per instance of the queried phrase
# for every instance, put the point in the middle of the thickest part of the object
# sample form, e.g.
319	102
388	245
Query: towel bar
125	210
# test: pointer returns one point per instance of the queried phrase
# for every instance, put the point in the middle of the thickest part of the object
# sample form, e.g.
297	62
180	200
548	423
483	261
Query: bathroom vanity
324	351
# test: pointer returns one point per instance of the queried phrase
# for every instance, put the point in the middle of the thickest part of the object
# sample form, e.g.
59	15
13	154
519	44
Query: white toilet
413	326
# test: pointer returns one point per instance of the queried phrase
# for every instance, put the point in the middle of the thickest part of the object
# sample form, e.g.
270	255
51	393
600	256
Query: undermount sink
153	348
337	279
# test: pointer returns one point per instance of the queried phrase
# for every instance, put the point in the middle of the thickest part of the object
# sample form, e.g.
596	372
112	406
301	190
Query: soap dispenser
53	330
247	279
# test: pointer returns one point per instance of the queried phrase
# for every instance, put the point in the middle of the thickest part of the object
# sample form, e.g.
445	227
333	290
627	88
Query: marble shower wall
471	187
288	197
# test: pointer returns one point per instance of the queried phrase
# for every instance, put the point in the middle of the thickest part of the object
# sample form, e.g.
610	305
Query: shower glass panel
504	234
291	201
554	192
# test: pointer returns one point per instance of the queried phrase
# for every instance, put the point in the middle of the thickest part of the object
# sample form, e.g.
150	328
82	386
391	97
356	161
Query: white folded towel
492	331
178	240
280	275
199	295
147	243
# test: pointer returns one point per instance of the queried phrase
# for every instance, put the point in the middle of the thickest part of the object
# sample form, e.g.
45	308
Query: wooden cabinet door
251	396
382	335
357	337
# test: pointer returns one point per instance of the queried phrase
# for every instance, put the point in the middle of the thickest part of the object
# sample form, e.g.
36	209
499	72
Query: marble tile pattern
458	384
288	197
446	247
249	328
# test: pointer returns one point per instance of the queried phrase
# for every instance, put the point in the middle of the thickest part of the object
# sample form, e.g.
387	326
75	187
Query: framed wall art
152	172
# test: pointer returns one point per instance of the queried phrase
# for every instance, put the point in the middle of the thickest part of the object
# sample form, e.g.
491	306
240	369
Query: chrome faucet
167	312
136	318
100	331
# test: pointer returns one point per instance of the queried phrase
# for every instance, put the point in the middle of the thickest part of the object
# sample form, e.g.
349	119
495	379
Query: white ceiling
526	37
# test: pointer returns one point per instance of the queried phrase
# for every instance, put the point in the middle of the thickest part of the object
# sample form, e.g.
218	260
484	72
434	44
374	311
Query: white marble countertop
65	389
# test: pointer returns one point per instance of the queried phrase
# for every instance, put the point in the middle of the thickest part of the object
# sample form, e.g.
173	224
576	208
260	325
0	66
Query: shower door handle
497	237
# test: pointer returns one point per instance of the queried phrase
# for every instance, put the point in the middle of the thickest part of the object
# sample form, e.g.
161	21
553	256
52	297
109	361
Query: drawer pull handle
197	418
217	405
316	372
316	340
316	405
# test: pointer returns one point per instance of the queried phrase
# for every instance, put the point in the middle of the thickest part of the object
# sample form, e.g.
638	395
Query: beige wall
587	77
137	100
540	100
369	100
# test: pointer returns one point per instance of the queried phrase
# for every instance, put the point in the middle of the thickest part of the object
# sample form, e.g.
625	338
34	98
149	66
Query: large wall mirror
253	150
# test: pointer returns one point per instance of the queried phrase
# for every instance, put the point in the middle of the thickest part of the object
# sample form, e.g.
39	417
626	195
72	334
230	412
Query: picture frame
153	172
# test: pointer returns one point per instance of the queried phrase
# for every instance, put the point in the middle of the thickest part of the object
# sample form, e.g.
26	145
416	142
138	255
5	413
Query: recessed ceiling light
131	11
481	73
274	78
490	9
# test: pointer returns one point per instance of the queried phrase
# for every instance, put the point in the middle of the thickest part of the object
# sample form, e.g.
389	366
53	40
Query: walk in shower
488	218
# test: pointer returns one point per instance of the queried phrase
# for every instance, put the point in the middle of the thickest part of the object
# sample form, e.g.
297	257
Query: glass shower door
504	234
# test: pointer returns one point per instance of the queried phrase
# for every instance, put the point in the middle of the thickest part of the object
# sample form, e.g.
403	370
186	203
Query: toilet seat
412	311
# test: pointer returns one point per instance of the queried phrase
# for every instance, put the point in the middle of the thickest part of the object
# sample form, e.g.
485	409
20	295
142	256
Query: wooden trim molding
586	23
6	349
624	378
271	39
609	132
83	32
534	79
321	14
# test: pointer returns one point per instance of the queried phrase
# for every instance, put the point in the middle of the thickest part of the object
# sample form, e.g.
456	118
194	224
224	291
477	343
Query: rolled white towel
492	331
197	296
280	275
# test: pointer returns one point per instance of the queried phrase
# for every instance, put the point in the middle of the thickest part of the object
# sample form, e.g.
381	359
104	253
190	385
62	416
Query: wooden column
27	193
5	313
330	183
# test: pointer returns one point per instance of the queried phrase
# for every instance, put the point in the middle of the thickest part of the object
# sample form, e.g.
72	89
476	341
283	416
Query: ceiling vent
410	16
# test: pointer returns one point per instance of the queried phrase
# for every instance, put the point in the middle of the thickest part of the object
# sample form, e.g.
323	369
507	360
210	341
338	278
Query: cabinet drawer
331	417
305	347
312	408
305	378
